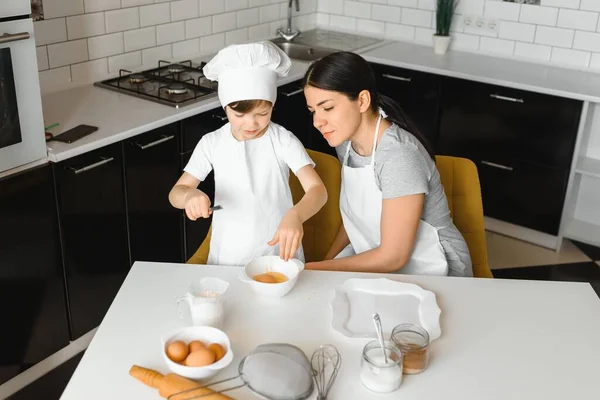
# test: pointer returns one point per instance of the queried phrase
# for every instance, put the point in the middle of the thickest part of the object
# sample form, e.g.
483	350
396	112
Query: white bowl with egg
205	334
268	264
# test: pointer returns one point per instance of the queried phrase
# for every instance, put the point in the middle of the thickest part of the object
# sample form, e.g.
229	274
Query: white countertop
501	339
120	116
574	84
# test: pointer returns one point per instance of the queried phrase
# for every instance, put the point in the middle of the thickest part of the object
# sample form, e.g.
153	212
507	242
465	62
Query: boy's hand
197	205
289	235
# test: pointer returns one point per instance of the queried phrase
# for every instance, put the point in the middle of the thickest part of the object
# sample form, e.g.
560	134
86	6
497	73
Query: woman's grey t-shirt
403	167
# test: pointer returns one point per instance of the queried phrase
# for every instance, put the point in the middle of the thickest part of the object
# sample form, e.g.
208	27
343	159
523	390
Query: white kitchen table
501	339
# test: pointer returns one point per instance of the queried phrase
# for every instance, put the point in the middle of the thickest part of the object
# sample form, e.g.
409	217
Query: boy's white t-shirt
252	186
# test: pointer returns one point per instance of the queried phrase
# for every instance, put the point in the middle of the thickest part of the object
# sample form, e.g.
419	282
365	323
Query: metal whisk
325	362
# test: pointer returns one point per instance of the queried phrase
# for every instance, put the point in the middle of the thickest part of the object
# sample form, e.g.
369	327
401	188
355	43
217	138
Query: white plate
355	302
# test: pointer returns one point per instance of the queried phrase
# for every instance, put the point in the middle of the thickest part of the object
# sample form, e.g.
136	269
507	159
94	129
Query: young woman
394	210
251	158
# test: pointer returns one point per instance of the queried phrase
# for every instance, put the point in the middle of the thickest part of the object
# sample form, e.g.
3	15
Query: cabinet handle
293	93
222	118
397	78
7	37
499	97
104	160
499	166
164	138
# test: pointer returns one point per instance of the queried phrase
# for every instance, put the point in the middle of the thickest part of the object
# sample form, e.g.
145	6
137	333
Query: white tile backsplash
224	22
155	14
233	5
42	58
122	20
105	45
461	41
259	32
198	27
185	48
212	43
89	70
248	17
570	57
139	39
595	61
170	33
502	10
366	25
269	13
413	17
399	32
534	52
211	7
127	61
517	31
184	9
386	13
258	3
539	15
150	57
98	5
404	3
497	46
582	20
423	35
50	31
331	6
236	37
86	25
590	5
342	23
587	41
357	9
562	3
60	8
131	3
67	53
554	36
55	77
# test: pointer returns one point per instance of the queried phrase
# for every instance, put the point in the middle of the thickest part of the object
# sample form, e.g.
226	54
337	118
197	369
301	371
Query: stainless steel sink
301	51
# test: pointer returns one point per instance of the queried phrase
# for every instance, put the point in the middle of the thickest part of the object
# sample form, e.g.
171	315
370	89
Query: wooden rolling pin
171	384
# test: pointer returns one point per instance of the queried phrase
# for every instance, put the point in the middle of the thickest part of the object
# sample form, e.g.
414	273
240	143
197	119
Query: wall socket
475	23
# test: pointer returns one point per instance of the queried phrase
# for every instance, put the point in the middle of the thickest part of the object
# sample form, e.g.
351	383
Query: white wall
560	32
84	40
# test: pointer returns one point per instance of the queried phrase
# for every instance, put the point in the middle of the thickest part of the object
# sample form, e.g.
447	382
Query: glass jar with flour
205	301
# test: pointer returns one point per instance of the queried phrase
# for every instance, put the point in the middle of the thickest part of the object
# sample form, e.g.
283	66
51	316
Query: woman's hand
289	235
197	205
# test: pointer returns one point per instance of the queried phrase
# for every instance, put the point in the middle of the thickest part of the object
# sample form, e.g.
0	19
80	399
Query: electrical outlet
478	24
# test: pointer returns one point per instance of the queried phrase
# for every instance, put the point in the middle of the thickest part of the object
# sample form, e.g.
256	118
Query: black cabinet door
34	313
418	93
91	200
193	129
152	166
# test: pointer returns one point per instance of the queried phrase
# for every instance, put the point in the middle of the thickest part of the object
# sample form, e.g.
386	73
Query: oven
21	120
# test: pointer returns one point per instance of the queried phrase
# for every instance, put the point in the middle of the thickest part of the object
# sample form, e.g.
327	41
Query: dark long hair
349	74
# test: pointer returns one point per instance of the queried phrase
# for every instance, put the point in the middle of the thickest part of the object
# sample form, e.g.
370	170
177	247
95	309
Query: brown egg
177	351
195	345
217	349
200	358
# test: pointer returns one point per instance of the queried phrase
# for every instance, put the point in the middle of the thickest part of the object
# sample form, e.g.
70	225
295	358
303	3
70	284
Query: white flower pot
440	44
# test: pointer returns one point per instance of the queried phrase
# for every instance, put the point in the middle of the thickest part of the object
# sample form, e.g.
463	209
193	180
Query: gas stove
172	84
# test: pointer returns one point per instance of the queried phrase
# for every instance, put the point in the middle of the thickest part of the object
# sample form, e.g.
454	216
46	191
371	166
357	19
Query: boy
251	158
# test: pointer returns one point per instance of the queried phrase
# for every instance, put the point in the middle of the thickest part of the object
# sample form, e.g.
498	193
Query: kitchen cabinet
34	317
192	131
291	112
152	166
522	143
418	93
91	203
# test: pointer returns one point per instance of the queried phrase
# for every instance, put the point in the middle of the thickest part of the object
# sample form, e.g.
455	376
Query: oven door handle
7	37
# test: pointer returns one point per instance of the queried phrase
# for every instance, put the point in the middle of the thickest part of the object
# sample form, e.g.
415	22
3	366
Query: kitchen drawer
152	166
505	125
93	223
418	93
529	195
197	126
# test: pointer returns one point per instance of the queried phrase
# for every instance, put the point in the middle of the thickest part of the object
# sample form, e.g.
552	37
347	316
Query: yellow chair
320	230
461	183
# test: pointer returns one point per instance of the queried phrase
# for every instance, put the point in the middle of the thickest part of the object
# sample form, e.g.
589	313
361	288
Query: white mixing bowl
263	264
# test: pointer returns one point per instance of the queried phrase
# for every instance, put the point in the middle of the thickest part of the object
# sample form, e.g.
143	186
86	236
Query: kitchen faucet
288	34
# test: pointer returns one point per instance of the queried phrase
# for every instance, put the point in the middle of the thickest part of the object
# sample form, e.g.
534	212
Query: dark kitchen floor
509	259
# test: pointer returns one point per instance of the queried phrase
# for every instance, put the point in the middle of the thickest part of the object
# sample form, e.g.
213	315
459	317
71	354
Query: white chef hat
248	71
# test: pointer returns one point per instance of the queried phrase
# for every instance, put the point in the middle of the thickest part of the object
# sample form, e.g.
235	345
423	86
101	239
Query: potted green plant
443	18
